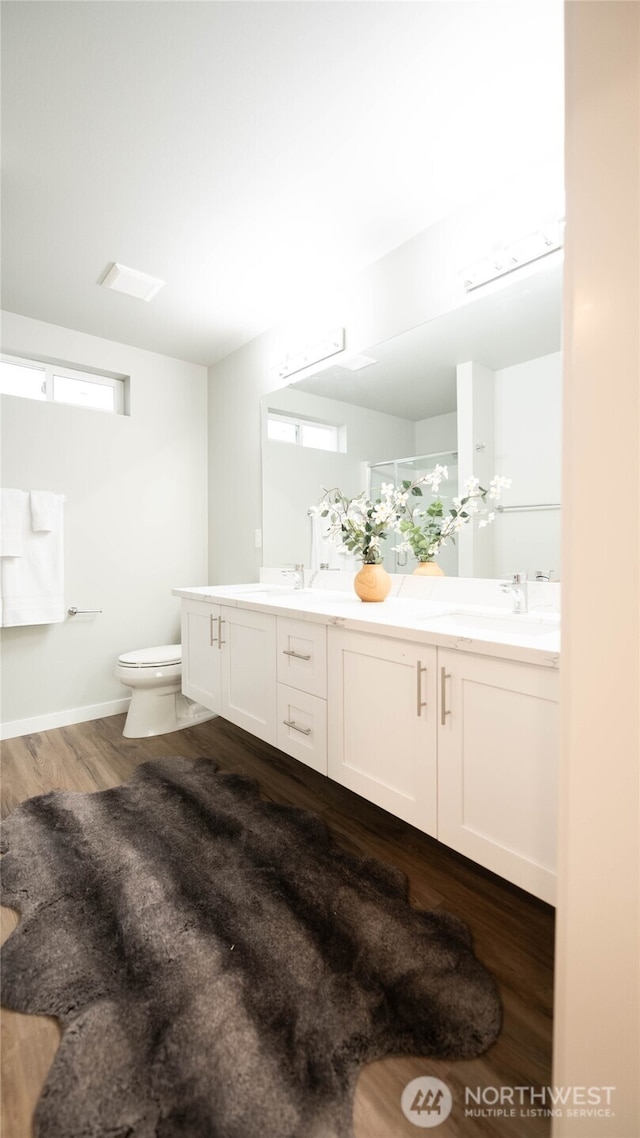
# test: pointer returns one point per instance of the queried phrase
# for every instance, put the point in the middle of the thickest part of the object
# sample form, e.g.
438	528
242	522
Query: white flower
497	485
383	512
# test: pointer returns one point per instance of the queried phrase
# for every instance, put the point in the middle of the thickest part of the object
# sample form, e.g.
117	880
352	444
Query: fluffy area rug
220	968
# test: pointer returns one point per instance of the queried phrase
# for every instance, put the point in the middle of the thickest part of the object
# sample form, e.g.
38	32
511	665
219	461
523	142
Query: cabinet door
497	766
382	722
248	680
200	653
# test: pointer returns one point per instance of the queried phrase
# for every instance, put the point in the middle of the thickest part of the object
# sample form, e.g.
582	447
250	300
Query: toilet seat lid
152	657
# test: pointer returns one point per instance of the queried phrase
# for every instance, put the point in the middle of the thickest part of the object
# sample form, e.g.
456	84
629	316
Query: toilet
157	703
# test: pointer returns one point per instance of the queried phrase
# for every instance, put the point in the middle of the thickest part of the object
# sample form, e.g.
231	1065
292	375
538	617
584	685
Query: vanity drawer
302	727
302	655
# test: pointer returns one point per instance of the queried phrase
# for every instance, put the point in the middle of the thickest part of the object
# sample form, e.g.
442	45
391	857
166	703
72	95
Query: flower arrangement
362	524
426	531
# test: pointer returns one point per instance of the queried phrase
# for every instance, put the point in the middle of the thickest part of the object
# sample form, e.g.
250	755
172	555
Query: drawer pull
420	702
298	655
302	730
444	676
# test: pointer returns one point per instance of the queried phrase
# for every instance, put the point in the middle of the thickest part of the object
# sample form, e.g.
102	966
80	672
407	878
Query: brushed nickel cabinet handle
444	676
298	655
420	702
212	638
221	621
302	730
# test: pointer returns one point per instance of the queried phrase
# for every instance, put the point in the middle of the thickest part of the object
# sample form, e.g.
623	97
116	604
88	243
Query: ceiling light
313	354
132	282
514	256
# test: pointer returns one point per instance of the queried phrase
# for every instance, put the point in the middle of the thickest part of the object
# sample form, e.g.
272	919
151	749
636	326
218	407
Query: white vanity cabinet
497	765
383	722
201	623
248	671
462	744
302	691
229	664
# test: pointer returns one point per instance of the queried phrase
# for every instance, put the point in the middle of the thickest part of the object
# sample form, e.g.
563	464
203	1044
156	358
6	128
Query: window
56	383
304	432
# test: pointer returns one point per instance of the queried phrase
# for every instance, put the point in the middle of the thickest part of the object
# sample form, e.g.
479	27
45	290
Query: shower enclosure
399	470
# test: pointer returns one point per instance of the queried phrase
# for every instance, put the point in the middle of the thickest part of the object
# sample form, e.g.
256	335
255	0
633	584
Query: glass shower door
401	470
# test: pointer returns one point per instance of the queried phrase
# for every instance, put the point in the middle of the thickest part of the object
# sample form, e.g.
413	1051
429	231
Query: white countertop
532	637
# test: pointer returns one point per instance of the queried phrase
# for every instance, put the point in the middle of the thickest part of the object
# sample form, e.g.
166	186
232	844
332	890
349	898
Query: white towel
46	510
325	552
33	584
12	514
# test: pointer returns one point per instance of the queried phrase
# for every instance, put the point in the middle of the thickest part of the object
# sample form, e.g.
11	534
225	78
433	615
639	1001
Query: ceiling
251	153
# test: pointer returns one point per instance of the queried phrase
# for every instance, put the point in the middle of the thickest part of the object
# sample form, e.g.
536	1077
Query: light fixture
321	350
509	258
130	281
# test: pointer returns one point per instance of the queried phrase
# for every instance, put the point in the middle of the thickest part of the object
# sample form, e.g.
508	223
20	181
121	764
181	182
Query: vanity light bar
522	252
313	354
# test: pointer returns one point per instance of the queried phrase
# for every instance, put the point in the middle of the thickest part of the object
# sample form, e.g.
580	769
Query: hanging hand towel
46	513
324	550
33	584
12	515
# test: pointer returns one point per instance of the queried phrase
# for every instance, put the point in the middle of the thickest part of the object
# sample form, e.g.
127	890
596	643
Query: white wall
597	1021
528	449
476	427
135	518
438	433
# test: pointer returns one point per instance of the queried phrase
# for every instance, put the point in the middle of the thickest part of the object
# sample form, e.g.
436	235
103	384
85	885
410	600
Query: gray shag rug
219	967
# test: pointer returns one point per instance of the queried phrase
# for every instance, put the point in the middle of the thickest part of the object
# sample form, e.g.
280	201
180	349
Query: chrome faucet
518	589
298	575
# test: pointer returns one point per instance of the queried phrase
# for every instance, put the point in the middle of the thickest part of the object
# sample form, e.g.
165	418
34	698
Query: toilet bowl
157	703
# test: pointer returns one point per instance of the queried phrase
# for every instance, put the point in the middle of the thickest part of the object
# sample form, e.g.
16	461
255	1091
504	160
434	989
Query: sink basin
510	624
270	591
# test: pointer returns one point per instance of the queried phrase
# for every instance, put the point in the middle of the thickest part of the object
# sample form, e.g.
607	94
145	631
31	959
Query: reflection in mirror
408	470
482	382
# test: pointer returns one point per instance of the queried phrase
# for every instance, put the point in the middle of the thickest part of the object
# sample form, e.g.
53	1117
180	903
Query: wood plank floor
513	932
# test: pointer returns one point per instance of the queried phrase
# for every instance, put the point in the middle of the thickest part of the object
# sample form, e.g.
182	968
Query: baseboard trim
63	718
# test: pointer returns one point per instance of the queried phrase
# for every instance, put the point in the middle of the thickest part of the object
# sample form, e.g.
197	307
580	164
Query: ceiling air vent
131	282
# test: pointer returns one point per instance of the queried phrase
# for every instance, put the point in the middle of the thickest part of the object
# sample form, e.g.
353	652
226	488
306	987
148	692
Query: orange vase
428	569
372	583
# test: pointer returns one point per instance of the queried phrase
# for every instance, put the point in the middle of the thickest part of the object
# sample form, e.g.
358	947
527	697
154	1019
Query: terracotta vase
428	569
372	583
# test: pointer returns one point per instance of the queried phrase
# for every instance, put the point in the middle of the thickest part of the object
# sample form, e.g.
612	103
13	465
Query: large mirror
477	389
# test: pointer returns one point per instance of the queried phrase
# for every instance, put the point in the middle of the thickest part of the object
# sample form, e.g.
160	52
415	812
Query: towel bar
73	611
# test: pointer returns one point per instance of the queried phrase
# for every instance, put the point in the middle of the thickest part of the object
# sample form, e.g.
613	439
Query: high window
55	383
